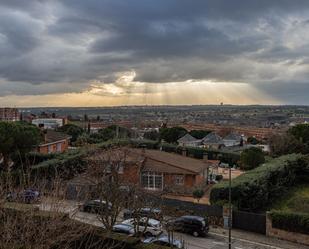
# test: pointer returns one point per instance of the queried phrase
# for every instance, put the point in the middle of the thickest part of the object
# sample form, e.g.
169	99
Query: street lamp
230	206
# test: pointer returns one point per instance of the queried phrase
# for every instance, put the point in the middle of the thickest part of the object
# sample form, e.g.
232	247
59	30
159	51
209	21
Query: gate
249	221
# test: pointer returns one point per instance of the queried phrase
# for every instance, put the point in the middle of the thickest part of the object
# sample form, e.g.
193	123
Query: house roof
233	136
186	138
52	136
160	161
212	138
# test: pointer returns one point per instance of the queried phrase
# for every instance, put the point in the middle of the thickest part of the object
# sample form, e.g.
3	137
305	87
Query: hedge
67	165
292	222
256	189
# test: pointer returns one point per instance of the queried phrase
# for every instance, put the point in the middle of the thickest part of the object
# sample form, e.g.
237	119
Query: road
211	241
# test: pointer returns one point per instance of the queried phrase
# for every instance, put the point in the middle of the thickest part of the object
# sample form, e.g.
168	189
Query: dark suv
96	206
195	225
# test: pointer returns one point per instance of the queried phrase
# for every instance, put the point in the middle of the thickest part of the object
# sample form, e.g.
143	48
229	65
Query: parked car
96	206
164	240
149	227
124	229
195	225
26	196
154	213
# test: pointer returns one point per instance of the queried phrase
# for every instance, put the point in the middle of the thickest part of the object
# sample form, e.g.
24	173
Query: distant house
49	123
232	139
54	142
188	140
212	141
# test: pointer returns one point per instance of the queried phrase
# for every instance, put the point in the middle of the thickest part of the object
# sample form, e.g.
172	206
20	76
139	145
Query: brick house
158	170
54	142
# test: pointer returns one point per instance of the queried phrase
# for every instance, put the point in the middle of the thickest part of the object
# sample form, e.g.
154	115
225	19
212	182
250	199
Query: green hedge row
256	189
66	165
292	222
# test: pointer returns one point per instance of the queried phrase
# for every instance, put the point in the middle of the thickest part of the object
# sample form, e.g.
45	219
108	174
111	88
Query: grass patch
296	200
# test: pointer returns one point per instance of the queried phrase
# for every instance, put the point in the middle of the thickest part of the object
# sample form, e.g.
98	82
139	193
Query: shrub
251	158
169	147
198	194
66	165
196	152
219	177
292	222
256	189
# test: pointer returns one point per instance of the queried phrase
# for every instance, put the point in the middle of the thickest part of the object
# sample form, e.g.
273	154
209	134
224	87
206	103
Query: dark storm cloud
68	43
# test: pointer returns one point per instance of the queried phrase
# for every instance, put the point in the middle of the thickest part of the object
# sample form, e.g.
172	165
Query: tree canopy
152	135
300	132
73	130
251	158
17	137
199	134
171	135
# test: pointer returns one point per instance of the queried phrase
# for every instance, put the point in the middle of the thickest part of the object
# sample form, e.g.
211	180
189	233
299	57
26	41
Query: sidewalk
258	238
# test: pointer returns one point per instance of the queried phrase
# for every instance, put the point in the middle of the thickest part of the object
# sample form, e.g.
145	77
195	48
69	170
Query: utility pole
230	207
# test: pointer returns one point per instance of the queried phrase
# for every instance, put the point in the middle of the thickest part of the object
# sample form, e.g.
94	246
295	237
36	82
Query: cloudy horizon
115	52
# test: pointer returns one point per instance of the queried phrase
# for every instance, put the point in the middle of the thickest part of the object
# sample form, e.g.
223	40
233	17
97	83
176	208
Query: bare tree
25	226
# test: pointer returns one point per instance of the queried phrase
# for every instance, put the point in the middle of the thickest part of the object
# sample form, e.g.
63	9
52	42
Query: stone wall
285	235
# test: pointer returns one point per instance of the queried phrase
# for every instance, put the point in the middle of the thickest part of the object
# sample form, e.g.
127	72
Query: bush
198	194
196	152
219	177
66	165
169	147
251	158
292	222
258	188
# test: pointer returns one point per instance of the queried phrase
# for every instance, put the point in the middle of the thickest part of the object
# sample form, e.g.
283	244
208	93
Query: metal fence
251	222
193	208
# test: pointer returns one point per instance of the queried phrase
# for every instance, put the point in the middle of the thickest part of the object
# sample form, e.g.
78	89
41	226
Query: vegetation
152	135
73	130
109	133
30	228
251	158
296	200
198	194
284	144
66	165
18	138
300	132
171	135
199	134
292	222
252	140
296	140
257	189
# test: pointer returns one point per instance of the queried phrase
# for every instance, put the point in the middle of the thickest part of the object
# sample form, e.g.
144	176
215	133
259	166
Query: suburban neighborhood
110	180
154	124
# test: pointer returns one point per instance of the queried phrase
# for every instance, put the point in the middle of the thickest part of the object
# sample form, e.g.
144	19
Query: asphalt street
211	241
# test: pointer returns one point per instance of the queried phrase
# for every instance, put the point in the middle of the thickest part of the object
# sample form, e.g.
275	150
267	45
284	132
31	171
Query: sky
138	52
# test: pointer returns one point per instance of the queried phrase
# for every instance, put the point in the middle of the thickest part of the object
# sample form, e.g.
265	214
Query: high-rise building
9	114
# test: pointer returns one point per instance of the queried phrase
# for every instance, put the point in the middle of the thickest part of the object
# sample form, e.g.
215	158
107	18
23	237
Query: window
179	179
152	180
59	147
50	148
